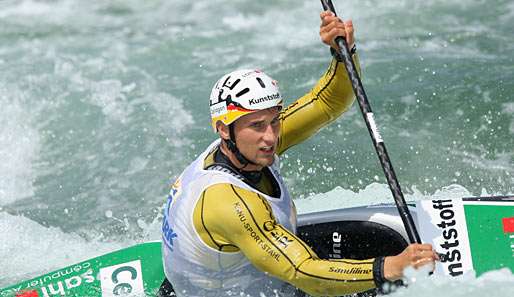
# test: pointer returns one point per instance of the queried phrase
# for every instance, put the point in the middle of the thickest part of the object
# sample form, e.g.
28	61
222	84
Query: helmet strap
232	146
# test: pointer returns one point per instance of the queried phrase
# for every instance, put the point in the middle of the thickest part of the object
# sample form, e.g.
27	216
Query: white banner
443	224
124	279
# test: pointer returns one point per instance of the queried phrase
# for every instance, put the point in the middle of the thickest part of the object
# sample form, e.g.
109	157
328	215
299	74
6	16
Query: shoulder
224	191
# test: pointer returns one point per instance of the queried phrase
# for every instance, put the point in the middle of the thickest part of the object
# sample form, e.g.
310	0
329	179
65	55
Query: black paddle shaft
378	142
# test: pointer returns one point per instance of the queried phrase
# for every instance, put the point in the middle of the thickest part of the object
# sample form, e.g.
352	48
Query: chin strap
231	145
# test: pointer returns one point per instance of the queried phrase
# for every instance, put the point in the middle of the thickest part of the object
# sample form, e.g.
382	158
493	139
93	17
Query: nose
270	134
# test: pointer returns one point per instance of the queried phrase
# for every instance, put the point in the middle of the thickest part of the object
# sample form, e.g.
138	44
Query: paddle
378	142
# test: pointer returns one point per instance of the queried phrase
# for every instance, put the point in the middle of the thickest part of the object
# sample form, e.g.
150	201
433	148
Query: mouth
267	149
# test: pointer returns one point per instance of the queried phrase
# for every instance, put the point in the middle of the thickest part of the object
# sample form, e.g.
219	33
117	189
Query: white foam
374	193
26	9
29	11
500	163
297	28
174	116
37	249
341	198
508	15
493	283
110	96
508	108
19	147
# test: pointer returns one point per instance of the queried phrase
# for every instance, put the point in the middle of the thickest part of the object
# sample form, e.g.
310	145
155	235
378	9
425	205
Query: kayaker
229	223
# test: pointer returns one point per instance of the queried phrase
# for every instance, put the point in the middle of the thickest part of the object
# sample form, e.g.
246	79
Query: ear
223	130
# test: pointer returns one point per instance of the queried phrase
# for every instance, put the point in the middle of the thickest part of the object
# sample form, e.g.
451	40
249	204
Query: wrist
392	269
378	272
339	57
385	280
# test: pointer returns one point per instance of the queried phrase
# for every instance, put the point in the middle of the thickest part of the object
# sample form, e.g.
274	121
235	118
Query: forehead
261	115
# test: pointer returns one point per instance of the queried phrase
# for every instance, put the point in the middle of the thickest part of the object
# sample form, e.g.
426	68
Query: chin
264	160
267	161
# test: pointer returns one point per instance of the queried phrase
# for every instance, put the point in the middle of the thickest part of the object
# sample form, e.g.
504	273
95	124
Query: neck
232	157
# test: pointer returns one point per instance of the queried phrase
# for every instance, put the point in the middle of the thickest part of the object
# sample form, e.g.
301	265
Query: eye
257	125
275	121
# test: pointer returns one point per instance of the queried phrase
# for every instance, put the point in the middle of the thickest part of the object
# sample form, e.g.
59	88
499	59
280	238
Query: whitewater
103	103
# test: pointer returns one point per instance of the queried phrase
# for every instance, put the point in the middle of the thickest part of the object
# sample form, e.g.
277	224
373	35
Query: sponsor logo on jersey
175	189
282	238
262	242
354	270
167	231
269	225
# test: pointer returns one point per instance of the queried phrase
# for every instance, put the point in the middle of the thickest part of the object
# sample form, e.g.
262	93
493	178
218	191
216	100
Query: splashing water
102	109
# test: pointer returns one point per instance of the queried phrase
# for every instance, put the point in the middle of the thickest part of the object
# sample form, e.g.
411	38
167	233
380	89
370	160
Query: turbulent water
103	103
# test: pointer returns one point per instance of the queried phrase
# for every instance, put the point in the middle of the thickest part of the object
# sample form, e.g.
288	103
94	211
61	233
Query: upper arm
327	100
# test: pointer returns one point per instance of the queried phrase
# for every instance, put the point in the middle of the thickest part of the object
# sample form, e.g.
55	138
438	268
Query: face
257	136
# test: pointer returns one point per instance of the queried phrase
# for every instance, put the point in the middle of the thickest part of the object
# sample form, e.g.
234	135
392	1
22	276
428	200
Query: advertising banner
472	234
128	272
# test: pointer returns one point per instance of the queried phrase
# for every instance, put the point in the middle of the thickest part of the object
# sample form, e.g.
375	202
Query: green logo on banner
491	236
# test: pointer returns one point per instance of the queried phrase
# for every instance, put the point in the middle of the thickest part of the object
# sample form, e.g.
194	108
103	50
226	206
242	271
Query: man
229	225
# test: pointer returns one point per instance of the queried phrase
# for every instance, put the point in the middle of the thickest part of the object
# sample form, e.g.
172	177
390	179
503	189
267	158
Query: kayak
464	231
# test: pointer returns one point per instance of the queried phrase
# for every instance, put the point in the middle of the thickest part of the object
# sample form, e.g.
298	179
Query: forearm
334	278
281	254
298	265
249	225
329	98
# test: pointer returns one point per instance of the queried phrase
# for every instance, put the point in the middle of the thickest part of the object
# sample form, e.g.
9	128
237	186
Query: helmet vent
242	92
261	82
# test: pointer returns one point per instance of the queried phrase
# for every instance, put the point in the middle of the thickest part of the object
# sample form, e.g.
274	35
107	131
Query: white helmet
242	92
